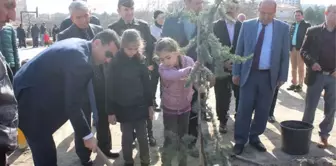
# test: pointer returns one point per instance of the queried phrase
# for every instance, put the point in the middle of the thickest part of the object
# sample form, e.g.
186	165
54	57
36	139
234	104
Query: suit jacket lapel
92	31
236	32
255	33
226	31
184	35
274	35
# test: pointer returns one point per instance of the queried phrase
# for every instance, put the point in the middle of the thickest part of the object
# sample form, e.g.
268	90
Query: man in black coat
52	89
35	32
8	104
127	21
319	54
21	35
67	22
82	29
55	32
43	30
227	30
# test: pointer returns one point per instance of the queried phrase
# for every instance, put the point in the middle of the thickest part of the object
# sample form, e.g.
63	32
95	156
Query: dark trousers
175	128
154	81
149	126
3	156
35	41
103	132
38	131
193	120
127	130
22	42
193	128
271	113
223	93
255	95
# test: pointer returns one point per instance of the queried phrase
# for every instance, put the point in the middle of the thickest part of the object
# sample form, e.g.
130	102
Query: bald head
268	3
241	17
7	11
267	10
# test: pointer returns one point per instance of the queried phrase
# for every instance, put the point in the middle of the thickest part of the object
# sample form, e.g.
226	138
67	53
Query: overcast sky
45	6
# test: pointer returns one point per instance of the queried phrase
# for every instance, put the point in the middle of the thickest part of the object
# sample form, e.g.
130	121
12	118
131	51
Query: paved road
290	106
28	53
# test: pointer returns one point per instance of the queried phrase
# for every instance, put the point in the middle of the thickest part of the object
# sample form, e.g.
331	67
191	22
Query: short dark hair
157	13
107	36
299	11
126	3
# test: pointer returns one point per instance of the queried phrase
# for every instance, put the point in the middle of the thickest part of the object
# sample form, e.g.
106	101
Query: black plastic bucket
296	137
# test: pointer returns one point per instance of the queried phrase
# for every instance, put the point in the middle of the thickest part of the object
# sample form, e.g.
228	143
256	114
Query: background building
291	2
21	5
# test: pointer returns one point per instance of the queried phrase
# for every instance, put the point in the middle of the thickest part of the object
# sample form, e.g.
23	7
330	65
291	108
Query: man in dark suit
52	88
297	31
82	29
319	54
127	21
268	40
227	30
67	22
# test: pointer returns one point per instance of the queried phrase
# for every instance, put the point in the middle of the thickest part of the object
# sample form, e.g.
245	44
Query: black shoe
298	88
222	129
292	87
238	149
259	146
271	119
152	141
128	164
89	163
111	155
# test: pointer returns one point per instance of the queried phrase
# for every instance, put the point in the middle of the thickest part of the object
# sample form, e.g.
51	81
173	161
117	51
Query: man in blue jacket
51	89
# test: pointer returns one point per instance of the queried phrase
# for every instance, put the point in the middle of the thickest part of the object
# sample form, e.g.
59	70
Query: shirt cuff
88	137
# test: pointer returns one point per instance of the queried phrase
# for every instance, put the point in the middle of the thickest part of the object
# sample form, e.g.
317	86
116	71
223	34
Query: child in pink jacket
176	98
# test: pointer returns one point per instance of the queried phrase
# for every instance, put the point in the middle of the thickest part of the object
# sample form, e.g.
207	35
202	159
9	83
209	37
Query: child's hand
197	64
184	78
151	113
150	68
112	119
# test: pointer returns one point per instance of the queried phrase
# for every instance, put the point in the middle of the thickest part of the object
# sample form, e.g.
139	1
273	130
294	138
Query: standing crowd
112	76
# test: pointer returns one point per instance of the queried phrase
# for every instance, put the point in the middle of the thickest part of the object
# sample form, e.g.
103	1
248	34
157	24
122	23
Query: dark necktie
258	47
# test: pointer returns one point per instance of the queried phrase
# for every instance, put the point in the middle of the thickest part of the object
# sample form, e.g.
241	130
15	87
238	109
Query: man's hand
280	83
112	119
333	74
151	113
150	68
236	80
228	65
91	144
316	67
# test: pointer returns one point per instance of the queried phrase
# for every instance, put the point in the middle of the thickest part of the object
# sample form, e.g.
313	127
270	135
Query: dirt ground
290	106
